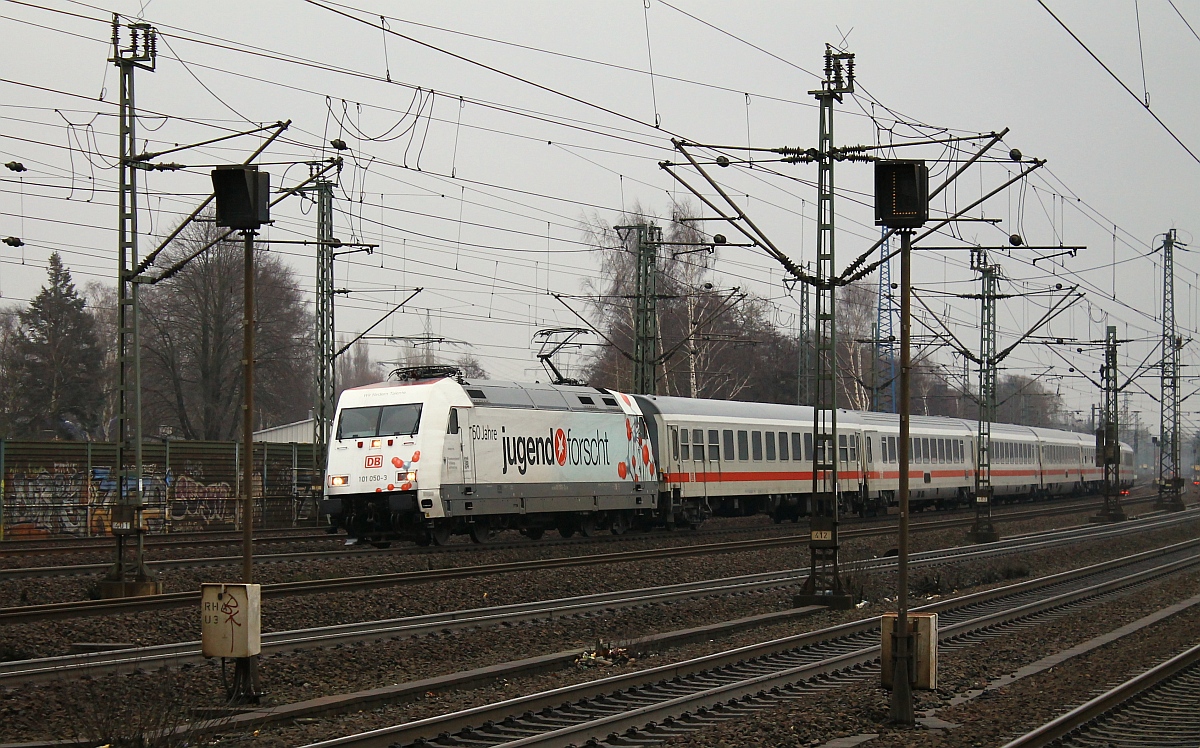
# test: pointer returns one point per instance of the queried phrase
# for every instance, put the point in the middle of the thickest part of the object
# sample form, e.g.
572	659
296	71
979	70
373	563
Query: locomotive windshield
380	420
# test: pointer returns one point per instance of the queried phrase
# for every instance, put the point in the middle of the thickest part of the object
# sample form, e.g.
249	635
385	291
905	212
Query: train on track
432	454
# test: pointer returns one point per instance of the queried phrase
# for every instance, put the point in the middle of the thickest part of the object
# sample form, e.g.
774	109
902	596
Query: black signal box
243	197
901	193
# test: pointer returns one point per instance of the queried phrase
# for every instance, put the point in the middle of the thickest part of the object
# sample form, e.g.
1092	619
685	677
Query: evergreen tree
54	364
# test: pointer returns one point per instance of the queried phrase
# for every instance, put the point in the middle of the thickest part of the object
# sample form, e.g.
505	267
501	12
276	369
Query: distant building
300	432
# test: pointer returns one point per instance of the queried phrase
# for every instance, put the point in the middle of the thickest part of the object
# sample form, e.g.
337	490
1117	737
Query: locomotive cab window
379	420
452	426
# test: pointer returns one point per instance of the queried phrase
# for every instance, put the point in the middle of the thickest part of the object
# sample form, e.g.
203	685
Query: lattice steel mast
645	321
1170	479
824	583
883	393
983	531
324	365
1108	444
128	509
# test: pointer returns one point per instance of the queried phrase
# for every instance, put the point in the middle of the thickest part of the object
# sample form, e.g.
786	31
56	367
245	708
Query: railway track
93	663
647	706
75	609
866	530
64	546
1155	708
45	547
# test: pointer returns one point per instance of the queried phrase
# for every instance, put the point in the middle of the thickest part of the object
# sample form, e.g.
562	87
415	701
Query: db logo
374	461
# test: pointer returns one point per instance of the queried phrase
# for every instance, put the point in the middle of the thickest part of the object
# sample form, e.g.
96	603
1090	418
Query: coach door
870	457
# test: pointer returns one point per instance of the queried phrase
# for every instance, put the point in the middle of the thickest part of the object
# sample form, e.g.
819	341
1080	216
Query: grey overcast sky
483	134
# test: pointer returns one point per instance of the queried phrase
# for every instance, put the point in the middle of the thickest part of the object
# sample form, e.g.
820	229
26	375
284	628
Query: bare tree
192	341
355	367
102	304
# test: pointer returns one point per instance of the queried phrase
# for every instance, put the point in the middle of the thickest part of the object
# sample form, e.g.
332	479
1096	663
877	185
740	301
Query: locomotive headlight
410	476
376	443
339	480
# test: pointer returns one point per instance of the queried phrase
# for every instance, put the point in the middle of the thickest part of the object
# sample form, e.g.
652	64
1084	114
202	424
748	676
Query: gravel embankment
52	709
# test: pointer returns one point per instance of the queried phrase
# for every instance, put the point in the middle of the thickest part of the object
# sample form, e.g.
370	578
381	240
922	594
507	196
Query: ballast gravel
53	709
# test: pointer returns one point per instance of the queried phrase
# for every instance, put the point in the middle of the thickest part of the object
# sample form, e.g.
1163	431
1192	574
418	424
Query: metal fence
68	488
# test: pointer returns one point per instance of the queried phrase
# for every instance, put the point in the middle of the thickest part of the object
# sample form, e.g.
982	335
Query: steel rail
1128	693
74	609
123	660
492	724
64	546
66	570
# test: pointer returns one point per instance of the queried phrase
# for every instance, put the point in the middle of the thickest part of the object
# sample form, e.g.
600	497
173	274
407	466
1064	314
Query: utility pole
1108	443
983	531
884	396
824	583
645	321
1170	479
128	509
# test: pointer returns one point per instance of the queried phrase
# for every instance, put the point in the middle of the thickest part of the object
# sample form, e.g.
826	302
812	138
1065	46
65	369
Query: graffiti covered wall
68	488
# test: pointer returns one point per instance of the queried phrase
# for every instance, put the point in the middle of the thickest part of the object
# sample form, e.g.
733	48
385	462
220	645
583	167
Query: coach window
891	450
808	447
727	436
797	450
843	450
870	459
770	445
697	444
675	443
714	445
743	445
685	448
854	448
927	451
783	446
756	443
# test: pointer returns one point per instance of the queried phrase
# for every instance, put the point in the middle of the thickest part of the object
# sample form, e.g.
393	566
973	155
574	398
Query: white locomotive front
433	456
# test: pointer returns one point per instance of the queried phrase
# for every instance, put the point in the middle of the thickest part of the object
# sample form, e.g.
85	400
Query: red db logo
374	461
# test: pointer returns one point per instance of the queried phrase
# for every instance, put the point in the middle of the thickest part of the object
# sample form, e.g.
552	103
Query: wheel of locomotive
534	533
440	534
482	532
620	524
588	527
